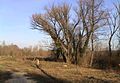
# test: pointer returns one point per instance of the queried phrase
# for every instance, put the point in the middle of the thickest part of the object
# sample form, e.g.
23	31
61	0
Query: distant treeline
14	50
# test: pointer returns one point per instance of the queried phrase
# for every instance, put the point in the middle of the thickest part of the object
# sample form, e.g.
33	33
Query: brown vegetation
15	51
54	72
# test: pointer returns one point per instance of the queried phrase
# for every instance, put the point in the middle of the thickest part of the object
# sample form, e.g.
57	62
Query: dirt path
18	77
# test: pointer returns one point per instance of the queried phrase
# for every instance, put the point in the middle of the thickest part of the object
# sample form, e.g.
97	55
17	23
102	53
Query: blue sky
15	18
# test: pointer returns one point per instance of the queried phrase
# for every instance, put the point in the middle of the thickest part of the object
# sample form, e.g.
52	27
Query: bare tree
92	18
118	10
118	35
114	25
56	23
71	36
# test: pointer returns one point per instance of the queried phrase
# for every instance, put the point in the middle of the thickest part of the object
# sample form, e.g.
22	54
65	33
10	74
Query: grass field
54	72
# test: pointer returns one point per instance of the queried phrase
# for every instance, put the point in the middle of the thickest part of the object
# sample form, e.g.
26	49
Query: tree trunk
64	58
79	58
79	62
92	53
68	60
110	51
91	60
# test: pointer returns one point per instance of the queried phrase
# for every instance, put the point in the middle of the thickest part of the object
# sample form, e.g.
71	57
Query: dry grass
58	70
73	72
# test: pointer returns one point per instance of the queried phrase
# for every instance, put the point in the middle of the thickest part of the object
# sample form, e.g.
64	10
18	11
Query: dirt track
18	77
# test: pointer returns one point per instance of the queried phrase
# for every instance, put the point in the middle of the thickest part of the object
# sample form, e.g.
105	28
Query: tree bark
110	51
92	53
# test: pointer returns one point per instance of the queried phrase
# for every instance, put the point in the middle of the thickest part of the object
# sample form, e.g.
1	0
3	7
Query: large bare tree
71	36
91	18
